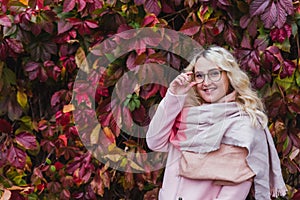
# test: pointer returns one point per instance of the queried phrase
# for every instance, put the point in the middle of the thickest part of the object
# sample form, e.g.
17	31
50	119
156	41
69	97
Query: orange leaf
109	134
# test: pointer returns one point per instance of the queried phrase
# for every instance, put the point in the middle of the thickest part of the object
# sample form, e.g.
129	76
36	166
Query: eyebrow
207	71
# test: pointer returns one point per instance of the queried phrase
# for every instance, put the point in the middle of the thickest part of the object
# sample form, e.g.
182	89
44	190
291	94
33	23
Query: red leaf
5	21
16	157
68	5
81	5
26	140
149	90
258	7
130	62
190	28
5	127
151	6
139	115
150	20
91	23
64	139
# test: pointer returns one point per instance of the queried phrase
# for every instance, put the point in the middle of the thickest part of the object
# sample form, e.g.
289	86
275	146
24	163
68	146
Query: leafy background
42	43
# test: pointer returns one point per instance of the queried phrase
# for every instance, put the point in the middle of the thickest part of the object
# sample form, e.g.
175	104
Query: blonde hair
246	97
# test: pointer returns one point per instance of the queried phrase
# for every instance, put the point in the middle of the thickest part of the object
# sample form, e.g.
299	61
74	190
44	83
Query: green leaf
131	105
9	76
52	168
285	46
297	75
27	121
33	196
48	161
110	57
137	103
285	83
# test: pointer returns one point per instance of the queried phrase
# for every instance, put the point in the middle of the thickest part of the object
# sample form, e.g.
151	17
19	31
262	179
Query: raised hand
182	83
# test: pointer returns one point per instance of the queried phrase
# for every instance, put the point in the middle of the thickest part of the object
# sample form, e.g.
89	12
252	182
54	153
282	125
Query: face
211	91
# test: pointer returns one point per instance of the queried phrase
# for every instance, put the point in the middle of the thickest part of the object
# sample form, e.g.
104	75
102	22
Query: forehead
204	65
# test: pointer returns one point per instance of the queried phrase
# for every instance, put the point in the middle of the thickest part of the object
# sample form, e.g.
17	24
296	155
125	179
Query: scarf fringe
276	192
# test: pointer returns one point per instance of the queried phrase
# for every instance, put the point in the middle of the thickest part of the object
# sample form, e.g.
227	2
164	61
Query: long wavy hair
246	97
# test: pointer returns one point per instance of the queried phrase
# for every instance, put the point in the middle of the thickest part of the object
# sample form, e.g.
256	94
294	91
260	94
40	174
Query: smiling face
210	91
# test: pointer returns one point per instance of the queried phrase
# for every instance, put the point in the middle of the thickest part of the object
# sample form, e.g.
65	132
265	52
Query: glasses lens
199	77
214	75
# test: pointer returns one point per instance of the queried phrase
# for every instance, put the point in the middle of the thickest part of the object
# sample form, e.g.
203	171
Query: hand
182	83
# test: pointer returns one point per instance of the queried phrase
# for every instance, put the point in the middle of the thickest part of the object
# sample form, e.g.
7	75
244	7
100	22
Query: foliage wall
42	45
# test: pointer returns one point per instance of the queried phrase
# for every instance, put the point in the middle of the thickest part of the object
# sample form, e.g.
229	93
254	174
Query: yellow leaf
95	134
80	59
22	98
68	108
135	166
114	157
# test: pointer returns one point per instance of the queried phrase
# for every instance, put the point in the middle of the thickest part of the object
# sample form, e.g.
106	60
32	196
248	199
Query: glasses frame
208	74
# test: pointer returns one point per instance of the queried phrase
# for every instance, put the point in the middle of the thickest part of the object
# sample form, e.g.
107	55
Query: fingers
182	83
184	78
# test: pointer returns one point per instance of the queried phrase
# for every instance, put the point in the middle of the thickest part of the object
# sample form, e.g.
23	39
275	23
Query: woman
213	126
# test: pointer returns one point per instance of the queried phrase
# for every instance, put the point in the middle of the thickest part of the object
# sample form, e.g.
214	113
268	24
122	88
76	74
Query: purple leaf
270	16
257	7
281	16
246	43
63	26
26	140
139	2
287	5
152	6
230	36
15	45
167	7
16	157
288	69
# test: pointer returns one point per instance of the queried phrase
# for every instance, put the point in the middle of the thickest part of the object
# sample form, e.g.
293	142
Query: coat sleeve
160	127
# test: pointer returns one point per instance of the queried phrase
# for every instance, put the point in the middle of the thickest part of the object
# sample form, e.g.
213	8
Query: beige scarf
204	128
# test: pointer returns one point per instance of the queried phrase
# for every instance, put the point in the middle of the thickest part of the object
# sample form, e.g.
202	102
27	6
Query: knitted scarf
203	128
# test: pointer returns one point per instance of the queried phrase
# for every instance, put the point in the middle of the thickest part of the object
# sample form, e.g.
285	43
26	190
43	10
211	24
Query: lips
208	90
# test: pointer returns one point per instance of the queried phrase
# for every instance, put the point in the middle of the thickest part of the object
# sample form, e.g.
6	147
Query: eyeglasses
213	75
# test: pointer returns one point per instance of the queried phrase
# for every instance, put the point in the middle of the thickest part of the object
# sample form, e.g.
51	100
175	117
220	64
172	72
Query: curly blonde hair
246	97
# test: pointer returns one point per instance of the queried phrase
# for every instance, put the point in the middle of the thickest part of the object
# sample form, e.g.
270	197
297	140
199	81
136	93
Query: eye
199	75
214	73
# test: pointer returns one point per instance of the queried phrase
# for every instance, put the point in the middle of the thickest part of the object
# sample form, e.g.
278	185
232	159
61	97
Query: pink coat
174	186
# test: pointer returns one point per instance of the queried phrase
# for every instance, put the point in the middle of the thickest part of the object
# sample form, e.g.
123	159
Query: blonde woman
213	126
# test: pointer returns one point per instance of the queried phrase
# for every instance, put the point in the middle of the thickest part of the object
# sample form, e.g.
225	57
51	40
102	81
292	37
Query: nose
206	80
